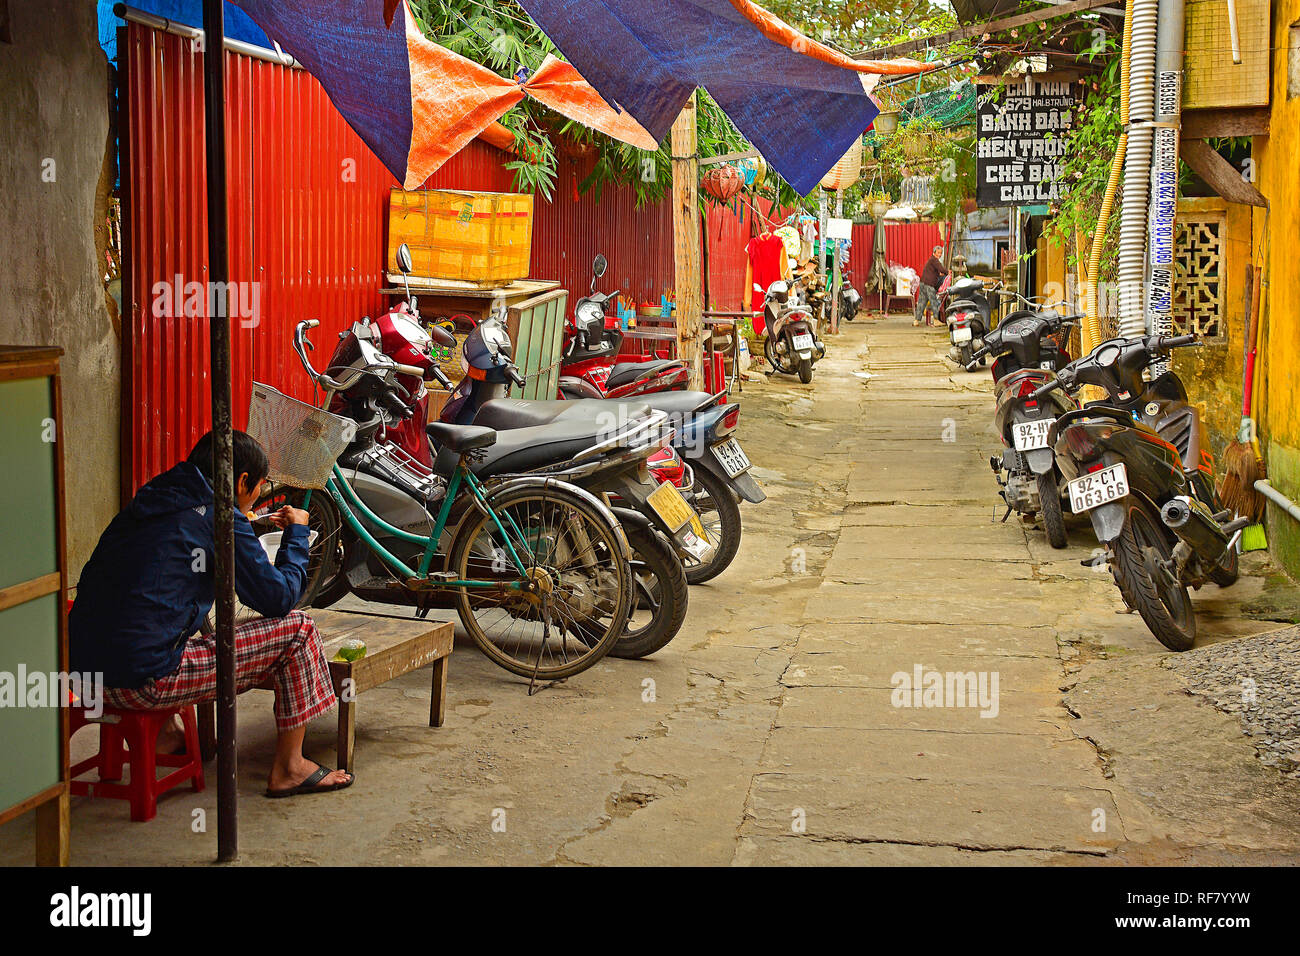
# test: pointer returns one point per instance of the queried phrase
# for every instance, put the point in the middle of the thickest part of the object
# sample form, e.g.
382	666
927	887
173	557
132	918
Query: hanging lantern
754	169
722	182
845	172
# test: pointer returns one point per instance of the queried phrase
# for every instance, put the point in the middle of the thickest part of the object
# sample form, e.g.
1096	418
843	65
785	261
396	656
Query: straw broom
1243	463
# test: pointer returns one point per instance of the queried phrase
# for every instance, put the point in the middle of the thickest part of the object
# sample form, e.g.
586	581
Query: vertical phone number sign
1021	141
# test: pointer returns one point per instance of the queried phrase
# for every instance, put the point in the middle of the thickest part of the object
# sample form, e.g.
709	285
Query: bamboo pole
686	242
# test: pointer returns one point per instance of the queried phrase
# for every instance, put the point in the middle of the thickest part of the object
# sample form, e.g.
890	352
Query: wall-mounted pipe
1090	334
1137	169
1164	172
1279	499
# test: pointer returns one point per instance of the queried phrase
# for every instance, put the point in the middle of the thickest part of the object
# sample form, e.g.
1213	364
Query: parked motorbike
967	313
1138	463
850	298
791	344
1026	352
592	340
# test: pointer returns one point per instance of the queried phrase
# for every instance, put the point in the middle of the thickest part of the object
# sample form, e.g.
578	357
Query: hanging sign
1021	141
839	228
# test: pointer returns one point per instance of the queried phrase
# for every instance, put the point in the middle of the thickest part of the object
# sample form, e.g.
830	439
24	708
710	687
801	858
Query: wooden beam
1215	123
977	29
730	157
1221	176
686	242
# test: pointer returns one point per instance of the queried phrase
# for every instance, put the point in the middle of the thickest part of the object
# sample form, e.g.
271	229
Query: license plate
802	341
674	510
1031	435
731	457
1098	488
961	336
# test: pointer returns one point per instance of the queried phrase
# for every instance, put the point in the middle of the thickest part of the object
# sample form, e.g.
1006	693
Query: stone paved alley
766	732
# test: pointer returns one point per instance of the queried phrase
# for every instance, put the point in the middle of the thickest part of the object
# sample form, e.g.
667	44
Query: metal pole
835	285
214	101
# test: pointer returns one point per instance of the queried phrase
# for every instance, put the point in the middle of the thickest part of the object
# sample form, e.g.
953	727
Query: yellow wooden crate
1210	78
456	234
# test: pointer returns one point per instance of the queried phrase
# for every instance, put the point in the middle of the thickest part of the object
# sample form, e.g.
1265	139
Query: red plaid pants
285	651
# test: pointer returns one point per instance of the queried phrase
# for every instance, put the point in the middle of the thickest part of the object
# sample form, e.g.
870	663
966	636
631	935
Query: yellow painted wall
1278	168
1051	269
1212	374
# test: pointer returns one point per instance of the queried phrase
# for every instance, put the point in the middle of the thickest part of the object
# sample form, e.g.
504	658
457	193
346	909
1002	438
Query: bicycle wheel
578	556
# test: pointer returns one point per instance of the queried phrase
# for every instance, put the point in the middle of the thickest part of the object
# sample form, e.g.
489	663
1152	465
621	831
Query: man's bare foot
172	737
286	778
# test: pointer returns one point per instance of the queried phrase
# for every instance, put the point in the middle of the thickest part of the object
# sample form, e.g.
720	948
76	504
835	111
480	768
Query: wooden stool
133	735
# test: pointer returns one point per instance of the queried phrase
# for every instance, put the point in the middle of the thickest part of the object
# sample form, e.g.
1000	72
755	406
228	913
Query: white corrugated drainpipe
1137	170
1161	227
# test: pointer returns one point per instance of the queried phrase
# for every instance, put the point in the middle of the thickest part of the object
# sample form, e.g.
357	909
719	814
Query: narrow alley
782	724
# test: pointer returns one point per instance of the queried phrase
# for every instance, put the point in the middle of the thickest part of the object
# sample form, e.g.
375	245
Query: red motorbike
590	366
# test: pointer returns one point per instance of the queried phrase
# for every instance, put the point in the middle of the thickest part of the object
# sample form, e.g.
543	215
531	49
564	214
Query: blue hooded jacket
150	581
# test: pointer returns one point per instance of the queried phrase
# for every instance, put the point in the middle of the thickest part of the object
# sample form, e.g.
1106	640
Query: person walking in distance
932	274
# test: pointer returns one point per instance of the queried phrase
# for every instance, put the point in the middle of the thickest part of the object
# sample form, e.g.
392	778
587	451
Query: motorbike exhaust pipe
1194	524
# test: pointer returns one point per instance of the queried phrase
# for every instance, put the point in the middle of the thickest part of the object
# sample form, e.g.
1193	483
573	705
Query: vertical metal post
835	285
214	101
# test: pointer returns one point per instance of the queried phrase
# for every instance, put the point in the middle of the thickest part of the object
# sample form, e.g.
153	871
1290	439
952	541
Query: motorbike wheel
805	370
586	573
774	360
965	354
659	605
324	558
720	513
1049	495
1165	606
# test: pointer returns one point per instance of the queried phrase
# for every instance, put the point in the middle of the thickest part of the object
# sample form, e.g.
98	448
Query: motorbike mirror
404	264
599	265
442	337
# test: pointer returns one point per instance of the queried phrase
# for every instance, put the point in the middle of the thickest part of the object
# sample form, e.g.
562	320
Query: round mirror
404	259
599	265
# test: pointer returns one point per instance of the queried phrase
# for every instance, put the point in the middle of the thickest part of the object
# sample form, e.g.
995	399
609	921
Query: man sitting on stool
149	586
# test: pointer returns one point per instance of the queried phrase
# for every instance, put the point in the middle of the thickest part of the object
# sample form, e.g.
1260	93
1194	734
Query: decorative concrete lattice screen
1210	78
1198	276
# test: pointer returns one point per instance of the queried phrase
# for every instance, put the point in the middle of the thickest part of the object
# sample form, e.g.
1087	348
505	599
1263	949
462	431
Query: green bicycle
537	569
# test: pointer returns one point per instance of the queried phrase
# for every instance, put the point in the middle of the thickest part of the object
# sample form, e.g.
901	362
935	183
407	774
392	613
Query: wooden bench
395	645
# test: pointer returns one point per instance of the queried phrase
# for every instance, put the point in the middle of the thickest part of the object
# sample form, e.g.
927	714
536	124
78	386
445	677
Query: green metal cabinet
33	638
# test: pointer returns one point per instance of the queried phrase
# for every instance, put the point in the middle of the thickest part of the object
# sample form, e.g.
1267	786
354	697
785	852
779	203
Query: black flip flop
310	785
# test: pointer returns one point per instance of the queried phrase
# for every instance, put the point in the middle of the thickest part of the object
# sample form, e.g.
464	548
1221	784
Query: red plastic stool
133	735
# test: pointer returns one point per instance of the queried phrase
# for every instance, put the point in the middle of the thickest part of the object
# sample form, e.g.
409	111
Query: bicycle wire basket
301	441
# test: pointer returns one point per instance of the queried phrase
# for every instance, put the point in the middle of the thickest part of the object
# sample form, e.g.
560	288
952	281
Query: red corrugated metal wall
308	213
906	243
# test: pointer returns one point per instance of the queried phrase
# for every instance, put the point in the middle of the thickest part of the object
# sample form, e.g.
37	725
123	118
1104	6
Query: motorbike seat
627	372
460	438
526	449
676	403
506	414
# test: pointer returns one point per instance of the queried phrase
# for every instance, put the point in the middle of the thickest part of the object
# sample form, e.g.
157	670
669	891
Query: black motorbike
1138	463
1026	351
968	315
